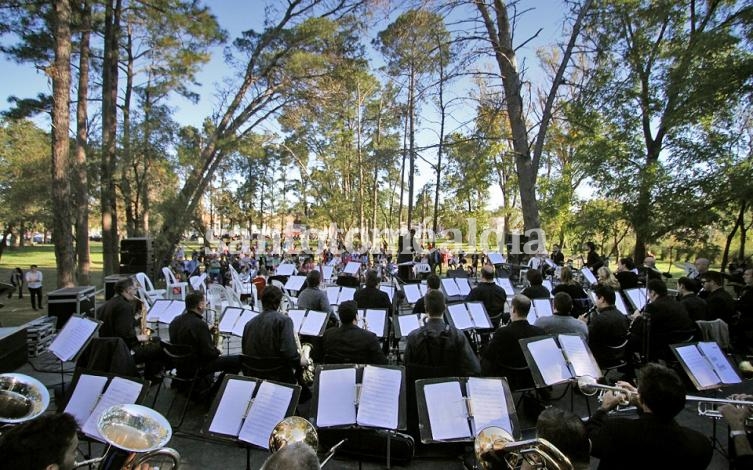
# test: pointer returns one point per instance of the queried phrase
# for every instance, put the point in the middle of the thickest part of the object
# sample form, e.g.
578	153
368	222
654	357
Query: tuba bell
495	449
137	436
22	398
296	429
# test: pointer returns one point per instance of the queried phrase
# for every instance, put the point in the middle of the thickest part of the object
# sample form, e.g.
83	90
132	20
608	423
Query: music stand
247	409
706	365
377	395
456	409
70	342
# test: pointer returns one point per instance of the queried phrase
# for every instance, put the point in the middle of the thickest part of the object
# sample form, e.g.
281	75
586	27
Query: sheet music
698	366
326	272
120	392
337	397
298	317
577	353
450	287
543	307
175	308
412	293
407	324
549	360
548	284
313	323
589	275
375	320
85	396
285	269
389	290
333	292
478	314
232	407
719	361
620	304
246	317
295	283
159	306
495	258
637	296
531	317
229	317
346	293
464	287
460	316
488	404
352	267
380	397
506	284
72	337
448	415
268	408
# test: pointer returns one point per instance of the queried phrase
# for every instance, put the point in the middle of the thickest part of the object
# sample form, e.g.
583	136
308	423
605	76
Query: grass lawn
18	311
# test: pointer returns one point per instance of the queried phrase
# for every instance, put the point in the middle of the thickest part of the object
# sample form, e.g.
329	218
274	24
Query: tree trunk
61	190
739	223
82	179
109	135
411	144
126	160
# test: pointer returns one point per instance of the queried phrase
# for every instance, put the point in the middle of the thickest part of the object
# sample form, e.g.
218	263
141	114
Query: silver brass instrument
495	448
22	398
296	429
137	435
589	386
710	406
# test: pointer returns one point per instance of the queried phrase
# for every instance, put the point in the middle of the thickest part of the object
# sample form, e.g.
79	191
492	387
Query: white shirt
33	279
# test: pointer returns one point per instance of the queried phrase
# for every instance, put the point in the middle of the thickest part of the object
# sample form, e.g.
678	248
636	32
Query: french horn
137	435
495	449
22	398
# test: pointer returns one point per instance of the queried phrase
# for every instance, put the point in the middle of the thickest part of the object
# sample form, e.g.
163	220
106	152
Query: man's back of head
521	305
435	304
433	281
661	390
487	273
563	304
295	455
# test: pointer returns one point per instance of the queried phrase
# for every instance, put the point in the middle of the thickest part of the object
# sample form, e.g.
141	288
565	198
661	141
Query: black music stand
435	396
338	379
244	410
71	340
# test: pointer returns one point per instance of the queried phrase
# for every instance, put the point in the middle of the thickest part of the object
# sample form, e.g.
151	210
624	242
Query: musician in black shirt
492	296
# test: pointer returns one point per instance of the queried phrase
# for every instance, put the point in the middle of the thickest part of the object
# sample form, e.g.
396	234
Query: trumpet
710	406
590	387
495	448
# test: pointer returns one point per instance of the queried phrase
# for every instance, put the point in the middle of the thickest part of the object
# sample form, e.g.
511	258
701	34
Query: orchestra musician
562	322
741	450
606	327
118	316
49	442
406	252
433	283
492	296
190	329
312	297
687	294
626	274
350	344
745	309
655	439
701	266
557	256
370	296
666	315
720	303
569	286
270	335
593	260
536	290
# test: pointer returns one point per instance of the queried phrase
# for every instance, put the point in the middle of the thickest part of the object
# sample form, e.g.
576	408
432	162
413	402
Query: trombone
496	448
710	406
589	386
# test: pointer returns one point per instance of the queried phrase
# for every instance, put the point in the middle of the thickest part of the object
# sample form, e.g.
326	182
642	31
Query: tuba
495	448
137	436
22	398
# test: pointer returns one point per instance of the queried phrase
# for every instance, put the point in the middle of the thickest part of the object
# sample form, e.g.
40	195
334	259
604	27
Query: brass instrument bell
22	398
293	429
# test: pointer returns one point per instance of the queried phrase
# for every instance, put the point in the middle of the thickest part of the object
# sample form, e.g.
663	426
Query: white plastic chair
148	287
175	288
198	283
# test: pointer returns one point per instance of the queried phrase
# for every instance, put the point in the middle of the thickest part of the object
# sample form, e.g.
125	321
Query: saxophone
215	329
309	368
143	326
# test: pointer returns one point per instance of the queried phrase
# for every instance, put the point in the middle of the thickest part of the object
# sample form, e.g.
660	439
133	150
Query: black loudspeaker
136	256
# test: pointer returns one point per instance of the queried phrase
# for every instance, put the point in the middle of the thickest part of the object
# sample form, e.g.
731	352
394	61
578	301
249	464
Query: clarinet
589	313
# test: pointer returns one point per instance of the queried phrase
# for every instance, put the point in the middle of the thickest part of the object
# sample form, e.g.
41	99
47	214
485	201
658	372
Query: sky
236	16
